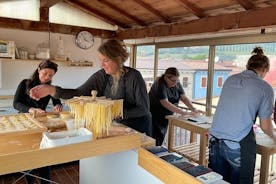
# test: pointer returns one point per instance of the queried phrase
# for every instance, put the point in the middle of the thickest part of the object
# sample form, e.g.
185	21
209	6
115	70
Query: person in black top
24	104
42	75
114	81
164	95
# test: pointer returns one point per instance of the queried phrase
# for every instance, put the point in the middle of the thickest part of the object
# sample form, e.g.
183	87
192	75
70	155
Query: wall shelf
69	63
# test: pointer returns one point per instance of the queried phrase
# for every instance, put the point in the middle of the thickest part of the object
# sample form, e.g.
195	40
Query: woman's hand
36	110
57	108
41	91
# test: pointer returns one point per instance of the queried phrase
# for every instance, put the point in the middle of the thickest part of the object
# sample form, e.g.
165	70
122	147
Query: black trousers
159	126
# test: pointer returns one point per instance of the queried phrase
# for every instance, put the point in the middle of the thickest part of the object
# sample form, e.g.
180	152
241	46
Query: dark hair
172	71
114	50
34	80
258	60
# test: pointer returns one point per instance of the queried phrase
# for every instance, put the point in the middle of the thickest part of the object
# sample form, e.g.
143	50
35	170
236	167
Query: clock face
84	40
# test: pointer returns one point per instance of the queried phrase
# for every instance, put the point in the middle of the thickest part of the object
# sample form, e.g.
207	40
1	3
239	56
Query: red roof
147	63
271	75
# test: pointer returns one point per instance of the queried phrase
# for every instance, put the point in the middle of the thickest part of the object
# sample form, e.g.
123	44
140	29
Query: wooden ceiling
158	18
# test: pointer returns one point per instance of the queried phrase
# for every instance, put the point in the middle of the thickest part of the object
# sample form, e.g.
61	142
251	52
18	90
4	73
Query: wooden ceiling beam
248	19
48	3
55	28
192	8
123	12
153	11
246	4
96	13
44	14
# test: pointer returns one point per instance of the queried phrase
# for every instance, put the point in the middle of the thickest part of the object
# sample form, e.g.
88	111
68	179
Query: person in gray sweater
114	81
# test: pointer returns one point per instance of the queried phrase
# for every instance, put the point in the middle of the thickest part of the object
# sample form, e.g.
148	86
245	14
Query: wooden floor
62	174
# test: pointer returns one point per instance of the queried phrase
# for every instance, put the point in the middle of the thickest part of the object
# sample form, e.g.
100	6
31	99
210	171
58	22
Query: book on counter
158	150
210	177
183	165
198	170
171	157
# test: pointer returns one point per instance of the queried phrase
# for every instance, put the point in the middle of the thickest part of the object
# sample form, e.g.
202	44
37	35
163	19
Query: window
220	82
185	82
145	63
203	82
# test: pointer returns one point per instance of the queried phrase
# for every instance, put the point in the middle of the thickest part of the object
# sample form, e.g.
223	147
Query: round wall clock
84	40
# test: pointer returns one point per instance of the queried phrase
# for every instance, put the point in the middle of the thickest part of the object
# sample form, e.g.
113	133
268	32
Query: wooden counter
35	158
163	170
193	151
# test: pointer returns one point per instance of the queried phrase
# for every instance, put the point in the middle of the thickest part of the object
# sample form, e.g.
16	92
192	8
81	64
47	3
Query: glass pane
145	63
127	62
192	63
20	9
232	59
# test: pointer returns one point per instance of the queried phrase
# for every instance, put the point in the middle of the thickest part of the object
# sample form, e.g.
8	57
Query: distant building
193	74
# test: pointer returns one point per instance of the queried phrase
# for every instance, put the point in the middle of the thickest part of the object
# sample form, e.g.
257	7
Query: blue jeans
224	160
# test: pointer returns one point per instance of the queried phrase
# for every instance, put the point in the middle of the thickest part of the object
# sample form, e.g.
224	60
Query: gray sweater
132	89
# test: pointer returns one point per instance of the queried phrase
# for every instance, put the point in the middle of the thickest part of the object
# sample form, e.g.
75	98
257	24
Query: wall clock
84	40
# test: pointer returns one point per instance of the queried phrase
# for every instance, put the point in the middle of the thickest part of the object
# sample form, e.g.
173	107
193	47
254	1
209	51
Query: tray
22	123
14	137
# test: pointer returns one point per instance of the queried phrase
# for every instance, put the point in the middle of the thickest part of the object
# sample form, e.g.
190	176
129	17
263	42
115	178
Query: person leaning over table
24	103
232	142
164	95
114	81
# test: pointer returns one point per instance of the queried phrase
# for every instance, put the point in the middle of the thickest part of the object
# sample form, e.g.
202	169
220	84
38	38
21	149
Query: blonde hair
116	51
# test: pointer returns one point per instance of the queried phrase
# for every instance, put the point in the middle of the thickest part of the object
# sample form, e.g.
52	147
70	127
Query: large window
232	59
145	63
192	63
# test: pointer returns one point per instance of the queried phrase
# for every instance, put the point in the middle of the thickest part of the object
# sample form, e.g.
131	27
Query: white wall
13	72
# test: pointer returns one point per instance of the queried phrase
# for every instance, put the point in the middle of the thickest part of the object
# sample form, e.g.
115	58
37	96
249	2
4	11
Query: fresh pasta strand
97	114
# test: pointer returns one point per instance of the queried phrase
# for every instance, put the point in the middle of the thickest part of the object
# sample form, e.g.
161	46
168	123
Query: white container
70	124
53	139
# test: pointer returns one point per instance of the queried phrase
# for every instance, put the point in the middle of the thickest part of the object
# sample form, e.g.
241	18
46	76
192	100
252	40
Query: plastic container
53	139
70	124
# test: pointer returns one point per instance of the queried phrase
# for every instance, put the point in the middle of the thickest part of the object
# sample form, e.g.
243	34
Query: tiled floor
62	174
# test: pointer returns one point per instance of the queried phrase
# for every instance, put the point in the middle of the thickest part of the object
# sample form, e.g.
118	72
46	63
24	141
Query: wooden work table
194	151
199	152
265	147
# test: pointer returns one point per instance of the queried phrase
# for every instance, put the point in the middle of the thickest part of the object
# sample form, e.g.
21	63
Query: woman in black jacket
24	104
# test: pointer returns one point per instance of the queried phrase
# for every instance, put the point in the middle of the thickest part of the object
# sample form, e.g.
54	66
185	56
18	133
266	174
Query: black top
22	101
132	89
160	91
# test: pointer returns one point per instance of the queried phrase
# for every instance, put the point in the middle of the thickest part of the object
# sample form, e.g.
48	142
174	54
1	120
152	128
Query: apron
248	158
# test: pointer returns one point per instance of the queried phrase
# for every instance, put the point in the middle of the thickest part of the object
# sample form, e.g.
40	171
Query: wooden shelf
69	63
190	151
163	170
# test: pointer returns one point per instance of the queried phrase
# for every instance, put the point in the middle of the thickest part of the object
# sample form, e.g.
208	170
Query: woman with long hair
165	94
25	104
114	81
